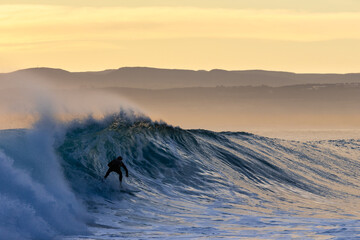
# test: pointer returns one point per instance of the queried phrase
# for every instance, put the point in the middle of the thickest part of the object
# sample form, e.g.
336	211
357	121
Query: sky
318	36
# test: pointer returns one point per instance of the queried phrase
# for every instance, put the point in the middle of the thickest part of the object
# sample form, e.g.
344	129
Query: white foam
35	200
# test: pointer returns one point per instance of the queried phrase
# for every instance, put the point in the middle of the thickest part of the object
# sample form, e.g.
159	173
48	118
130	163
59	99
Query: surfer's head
119	158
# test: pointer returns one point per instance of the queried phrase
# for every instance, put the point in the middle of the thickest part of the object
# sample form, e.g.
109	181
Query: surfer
115	166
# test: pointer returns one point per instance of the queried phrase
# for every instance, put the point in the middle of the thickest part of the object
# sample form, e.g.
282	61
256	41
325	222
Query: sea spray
36	202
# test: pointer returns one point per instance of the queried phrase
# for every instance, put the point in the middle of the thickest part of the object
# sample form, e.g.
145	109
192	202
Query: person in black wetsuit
115	166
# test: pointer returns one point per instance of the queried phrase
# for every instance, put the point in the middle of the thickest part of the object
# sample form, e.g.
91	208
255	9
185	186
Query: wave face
182	183
199	183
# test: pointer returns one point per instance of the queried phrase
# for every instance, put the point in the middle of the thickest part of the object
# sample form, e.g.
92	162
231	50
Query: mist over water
28	99
36	199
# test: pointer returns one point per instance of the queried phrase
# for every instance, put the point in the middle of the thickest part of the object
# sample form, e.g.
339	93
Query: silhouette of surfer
115	166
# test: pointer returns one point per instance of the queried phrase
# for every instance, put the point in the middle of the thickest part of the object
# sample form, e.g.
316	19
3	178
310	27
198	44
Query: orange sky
86	35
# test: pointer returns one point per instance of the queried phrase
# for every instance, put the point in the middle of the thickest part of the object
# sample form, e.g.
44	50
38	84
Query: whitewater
183	184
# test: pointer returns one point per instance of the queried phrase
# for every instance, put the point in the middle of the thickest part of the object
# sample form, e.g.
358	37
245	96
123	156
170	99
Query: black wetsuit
115	166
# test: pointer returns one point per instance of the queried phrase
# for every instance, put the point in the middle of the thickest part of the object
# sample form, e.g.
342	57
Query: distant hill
153	78
321	106
308	98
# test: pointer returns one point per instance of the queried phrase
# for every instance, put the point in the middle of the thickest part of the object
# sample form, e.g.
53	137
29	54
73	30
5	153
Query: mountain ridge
161	78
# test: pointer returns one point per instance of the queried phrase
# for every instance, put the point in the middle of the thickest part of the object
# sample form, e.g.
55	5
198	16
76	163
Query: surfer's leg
120	176
107	173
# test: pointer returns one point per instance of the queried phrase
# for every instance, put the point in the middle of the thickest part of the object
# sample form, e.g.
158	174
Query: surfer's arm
126	171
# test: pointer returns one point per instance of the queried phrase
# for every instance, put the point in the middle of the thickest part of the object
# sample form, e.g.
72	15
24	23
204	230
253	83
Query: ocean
182	184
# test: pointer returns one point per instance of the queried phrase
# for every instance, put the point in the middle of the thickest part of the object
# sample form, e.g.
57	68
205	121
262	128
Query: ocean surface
183	184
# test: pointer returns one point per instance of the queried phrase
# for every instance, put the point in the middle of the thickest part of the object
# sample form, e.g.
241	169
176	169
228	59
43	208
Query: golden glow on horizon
93	38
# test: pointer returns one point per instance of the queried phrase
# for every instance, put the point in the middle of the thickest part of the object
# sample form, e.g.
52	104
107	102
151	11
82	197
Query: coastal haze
268	102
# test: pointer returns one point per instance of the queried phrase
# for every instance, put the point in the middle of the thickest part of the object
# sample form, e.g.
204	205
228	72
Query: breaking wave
54	178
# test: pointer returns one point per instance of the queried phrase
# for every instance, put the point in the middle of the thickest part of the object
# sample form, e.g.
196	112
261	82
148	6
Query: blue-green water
183	184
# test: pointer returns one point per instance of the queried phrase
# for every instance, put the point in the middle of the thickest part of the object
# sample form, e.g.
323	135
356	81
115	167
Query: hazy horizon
264	102
165	68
